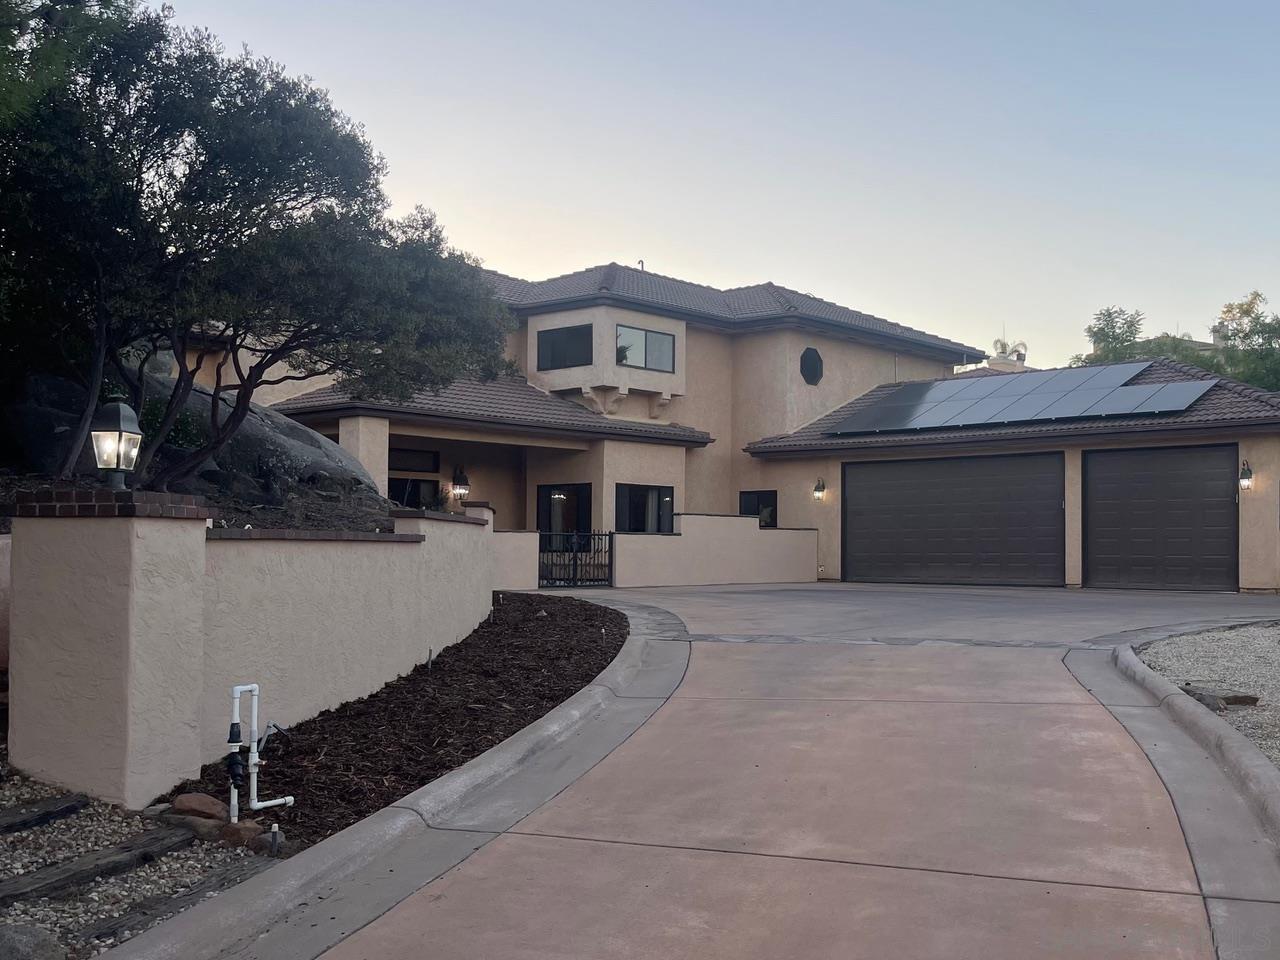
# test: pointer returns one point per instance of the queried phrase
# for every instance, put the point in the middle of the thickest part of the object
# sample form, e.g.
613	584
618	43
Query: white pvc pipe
254	761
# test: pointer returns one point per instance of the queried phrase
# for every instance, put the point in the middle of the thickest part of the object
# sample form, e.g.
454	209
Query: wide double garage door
1161	518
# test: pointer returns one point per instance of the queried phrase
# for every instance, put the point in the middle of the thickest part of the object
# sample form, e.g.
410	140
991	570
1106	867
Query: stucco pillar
1073	517
1260	516
107	648
481	510
368	440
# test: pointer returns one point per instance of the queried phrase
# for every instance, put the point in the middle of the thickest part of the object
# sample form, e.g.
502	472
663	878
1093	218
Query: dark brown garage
1162	518
975	520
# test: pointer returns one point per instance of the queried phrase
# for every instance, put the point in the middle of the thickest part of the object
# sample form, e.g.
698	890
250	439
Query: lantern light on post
820	490
461	485
1246	476
116	440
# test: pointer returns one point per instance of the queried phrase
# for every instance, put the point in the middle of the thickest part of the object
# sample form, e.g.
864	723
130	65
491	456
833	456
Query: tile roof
740	306
510	402
1228	403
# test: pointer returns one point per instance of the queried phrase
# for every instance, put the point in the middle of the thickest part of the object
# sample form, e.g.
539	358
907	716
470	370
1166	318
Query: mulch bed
356	759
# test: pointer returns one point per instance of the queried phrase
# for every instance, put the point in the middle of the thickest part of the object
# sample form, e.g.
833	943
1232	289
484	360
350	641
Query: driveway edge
270	914
1248	768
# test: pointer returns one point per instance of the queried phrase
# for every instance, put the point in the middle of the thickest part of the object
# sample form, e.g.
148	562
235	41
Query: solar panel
940	413
1117	374
1174	396
1022	398
1022	408
1073	404
1121	400
1073	378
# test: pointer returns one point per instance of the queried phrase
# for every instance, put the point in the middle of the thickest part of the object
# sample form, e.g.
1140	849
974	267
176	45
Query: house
642	398
637	396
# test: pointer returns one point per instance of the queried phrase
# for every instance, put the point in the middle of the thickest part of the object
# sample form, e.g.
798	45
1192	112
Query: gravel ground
113	896
1244	658
96	826
15	789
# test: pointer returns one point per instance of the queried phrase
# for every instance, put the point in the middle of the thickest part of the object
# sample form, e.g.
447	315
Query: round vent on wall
811	366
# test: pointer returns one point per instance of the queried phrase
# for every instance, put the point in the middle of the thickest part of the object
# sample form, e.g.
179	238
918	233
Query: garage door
991	520
1162	518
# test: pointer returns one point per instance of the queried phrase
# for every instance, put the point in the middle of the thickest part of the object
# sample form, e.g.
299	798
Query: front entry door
570	554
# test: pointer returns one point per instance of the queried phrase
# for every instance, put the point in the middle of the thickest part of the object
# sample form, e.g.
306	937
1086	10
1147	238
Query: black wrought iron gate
575	559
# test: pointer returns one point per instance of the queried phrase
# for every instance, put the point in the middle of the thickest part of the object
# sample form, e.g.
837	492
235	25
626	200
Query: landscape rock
203	827
261	844
201	805
269	458
20	941
154	811
240	833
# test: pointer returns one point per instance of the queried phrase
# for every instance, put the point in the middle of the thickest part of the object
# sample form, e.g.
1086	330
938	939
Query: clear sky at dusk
966	168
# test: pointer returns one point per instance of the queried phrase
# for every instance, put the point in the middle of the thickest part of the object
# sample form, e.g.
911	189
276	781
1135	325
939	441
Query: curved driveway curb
1256	777
302	906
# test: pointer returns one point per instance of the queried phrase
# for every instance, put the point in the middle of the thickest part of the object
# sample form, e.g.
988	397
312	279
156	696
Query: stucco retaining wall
711	549
515	560
129	632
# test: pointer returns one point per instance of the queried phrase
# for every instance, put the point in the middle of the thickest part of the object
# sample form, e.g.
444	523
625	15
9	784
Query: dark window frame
546	363
647	333
810	356
413	460
420	499
622	514
543	506
743	510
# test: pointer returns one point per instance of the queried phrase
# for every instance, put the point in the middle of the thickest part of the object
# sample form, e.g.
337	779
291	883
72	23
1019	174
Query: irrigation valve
243	761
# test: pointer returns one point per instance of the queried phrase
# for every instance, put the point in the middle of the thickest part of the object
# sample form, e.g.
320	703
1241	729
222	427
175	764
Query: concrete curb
1248	768
428	831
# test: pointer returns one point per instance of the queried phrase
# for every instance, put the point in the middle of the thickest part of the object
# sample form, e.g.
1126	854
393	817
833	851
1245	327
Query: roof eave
1257	425
356	408
960	354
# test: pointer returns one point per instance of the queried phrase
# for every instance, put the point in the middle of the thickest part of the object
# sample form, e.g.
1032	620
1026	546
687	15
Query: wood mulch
355	759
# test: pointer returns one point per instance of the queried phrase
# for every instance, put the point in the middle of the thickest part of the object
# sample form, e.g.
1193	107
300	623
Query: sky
975	169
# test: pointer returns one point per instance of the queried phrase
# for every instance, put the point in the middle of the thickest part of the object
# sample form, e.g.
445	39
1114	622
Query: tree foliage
1252	337
160	198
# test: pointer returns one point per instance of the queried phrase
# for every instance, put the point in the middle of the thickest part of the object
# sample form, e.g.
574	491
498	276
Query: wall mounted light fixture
820	490
1246	476
461	483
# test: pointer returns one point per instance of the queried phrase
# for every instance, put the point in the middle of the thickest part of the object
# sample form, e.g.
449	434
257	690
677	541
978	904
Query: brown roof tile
509	402
1228	403
737	306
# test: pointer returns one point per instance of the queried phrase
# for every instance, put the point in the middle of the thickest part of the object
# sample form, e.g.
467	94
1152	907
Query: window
811	366
643	509
647	349
759	503
564	507
413	461
414	492
564	347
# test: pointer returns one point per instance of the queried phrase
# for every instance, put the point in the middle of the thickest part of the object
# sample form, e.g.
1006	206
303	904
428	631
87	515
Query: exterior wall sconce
461	485
116	439
1246	476
820	490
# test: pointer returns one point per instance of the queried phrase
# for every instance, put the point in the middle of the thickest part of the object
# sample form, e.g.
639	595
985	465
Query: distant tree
164	199
1251	336
1114	334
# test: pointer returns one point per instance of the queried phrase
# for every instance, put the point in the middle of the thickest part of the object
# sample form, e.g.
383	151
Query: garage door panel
1162	518
956	520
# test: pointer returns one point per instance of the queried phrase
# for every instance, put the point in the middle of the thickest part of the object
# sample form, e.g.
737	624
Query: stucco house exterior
642	398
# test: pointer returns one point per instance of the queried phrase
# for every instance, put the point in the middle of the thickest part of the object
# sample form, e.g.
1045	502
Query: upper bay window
563	347
646	349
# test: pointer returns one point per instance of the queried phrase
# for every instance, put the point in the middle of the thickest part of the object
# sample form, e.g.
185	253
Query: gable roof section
759	305
1227	403
510	403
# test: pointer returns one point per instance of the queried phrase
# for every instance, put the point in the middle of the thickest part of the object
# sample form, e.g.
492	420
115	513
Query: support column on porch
367	439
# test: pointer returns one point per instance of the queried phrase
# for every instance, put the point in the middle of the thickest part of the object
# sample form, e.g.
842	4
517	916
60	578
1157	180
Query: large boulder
268	460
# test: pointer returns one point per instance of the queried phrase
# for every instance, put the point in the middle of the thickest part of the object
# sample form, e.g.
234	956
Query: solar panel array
1037	395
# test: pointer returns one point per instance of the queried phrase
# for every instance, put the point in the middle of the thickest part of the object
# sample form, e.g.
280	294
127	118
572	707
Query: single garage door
1164	518
996	520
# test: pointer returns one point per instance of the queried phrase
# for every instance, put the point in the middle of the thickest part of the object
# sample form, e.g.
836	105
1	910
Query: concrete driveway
857	800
